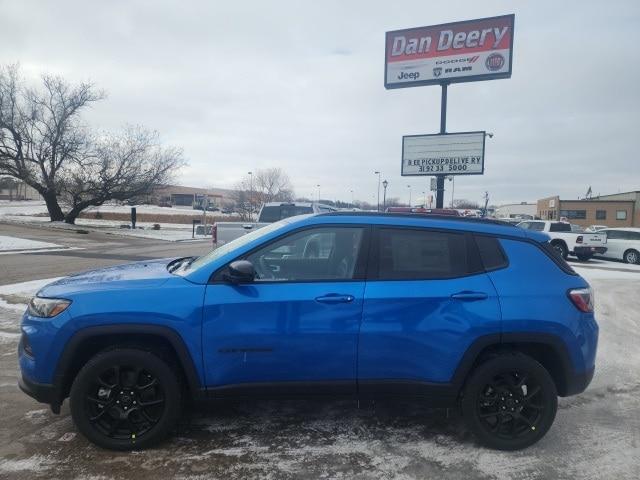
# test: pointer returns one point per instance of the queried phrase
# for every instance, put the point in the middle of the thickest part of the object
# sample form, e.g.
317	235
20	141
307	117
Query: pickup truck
224	232
583	245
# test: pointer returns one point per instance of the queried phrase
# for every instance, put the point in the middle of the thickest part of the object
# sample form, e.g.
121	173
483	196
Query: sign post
469	51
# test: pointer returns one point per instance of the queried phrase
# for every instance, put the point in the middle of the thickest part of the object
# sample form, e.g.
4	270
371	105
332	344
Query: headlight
47	307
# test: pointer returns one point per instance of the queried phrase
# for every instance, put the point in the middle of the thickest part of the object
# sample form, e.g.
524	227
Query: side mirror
240	271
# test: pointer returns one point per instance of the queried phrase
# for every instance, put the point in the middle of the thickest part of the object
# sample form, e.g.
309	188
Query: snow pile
15	243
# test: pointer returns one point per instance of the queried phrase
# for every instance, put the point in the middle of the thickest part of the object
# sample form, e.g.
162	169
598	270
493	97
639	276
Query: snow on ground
15	296
15	243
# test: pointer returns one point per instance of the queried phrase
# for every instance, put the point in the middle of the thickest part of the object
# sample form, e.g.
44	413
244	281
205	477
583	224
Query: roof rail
434	216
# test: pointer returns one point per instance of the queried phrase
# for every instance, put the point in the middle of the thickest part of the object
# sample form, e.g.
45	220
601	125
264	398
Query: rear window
491	253
406	254
274	213
560	227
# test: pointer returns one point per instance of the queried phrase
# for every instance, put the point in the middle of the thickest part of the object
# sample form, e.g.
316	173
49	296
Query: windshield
191	266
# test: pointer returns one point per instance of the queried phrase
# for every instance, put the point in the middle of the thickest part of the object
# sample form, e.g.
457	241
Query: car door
615	244
297	322
426	301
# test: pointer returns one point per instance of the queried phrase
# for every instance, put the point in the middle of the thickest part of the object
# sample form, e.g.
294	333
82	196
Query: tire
108	394
584	258
561	248
631	256
509	402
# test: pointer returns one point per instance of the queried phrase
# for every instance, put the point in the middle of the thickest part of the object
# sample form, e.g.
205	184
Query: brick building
618	210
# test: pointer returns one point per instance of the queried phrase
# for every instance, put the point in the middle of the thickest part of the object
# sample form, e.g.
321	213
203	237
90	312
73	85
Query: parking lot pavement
596	435
87	251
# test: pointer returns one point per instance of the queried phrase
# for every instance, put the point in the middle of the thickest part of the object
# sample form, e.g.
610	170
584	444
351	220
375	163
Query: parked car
566	242
451	311
224	232
623	244
595	228
430	211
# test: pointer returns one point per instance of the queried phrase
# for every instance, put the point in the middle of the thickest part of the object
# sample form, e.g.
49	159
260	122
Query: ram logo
437	71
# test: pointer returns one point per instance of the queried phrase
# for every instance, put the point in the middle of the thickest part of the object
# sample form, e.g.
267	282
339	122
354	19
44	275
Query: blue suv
451	311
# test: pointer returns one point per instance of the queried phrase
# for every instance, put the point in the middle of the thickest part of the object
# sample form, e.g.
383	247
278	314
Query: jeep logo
409	76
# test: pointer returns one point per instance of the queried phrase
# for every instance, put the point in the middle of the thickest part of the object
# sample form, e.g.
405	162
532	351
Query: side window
405	254
634	236
326	253
613	234
524	225
491	253
537	226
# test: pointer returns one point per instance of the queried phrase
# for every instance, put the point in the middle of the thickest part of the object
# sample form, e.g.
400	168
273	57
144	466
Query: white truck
583	245
224	232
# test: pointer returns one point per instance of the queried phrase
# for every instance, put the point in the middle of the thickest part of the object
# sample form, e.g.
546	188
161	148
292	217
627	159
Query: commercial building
180	196
617	210
516	210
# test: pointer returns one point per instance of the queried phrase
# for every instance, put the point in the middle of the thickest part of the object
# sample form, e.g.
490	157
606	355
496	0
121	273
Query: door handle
470	296
334	298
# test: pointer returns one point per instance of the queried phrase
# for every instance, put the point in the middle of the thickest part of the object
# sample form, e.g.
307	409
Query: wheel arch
85	343
547	349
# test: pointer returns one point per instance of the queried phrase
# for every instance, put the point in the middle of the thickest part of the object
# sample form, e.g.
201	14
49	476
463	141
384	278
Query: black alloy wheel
510	402
125	399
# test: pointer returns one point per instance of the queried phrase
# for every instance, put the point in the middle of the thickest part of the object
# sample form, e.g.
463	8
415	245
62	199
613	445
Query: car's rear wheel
510	402
125	399
631	256
561	248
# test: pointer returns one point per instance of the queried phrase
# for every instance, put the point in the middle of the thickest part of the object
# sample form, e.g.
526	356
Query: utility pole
443	129
385	184
409	187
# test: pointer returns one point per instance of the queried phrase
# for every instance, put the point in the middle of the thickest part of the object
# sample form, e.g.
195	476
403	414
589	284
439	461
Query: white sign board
443	154
468	51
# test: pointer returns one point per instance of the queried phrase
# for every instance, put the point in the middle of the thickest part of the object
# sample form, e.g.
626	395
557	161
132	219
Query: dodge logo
437	71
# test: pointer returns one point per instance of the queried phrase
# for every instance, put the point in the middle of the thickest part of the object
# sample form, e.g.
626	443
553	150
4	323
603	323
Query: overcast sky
299	85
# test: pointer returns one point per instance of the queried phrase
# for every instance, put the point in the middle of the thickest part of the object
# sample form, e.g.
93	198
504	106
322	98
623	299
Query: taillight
579	239
214	233
582	298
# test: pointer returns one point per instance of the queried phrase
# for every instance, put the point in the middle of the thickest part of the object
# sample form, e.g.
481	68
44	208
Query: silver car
623	244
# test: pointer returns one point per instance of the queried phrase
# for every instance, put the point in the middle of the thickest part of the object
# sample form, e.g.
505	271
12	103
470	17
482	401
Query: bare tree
464	203
125	167
268	185
43	143
40	131
273	185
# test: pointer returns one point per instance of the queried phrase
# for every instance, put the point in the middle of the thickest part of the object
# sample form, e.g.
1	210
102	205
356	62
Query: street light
378	173
384	198
318	192
351	198
409	187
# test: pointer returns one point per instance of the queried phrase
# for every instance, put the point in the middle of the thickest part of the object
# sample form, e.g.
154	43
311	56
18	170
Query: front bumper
42	392
589	250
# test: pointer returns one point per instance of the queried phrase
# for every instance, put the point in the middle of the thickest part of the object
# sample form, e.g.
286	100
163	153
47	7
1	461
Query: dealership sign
454	52
443	154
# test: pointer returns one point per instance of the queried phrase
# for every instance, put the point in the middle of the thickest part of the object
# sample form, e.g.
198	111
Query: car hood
146	274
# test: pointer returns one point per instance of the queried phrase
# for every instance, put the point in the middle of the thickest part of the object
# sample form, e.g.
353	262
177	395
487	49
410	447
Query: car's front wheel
510	402
125	399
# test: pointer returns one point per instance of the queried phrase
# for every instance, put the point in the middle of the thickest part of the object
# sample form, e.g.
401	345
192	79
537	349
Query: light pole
318	192
250	193
385	184
351	198
378	173
409	187
424	194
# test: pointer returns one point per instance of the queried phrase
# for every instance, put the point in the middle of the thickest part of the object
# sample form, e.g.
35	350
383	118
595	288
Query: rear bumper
589	250
578	382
